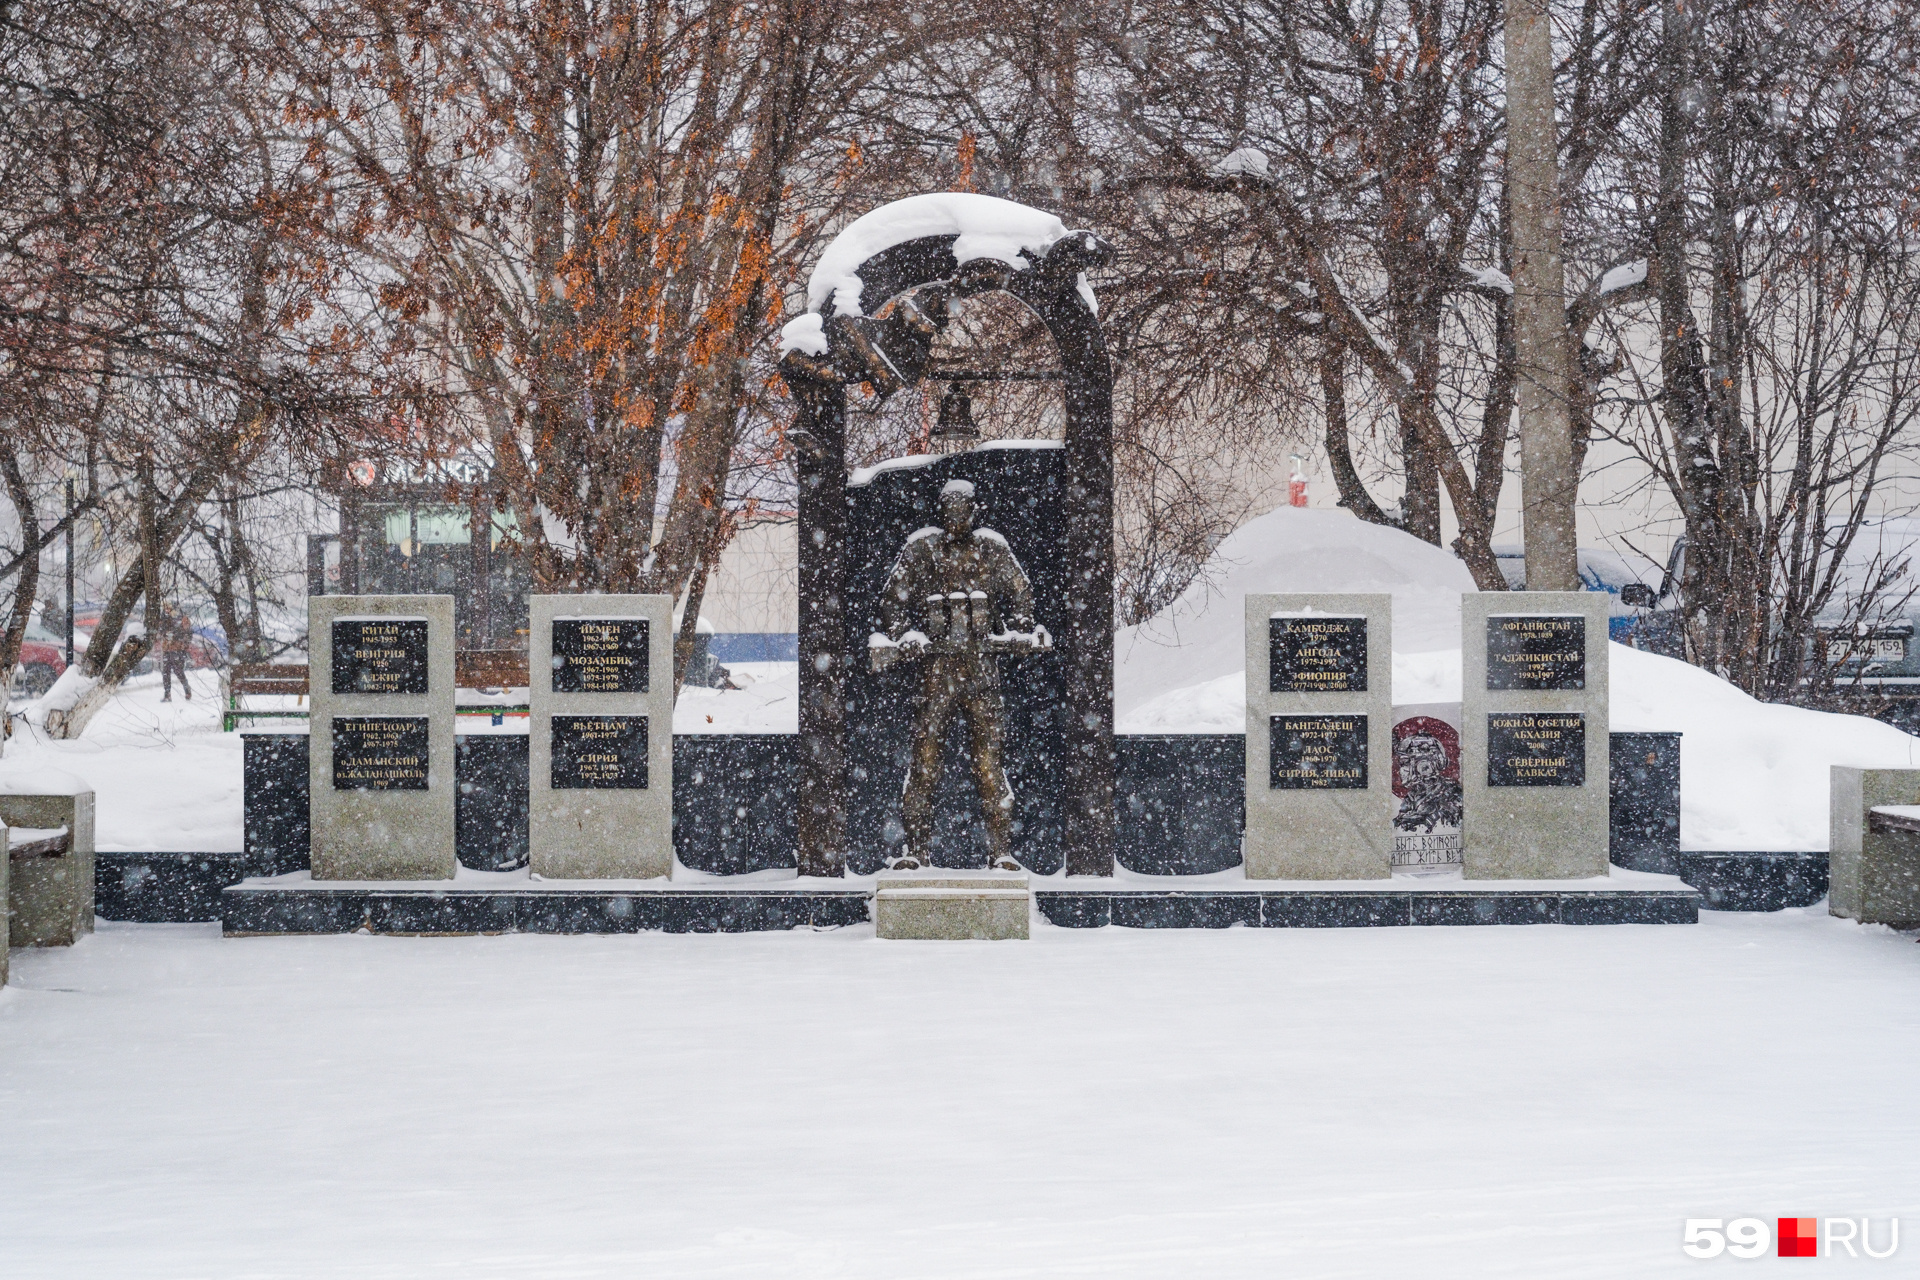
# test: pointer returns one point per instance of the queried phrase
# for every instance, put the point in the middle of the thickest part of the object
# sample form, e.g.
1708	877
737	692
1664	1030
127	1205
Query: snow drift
1753	775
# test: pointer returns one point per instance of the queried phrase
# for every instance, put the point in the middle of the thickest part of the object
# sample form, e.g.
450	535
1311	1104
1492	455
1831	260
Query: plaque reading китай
384	753
593	753
1317	654
380	655
600	655
1318	753
1537	749
1536	652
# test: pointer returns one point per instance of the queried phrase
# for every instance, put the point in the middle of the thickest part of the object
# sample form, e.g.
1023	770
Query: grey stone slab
1534	685
1322	808
1334	910
384	818
1873	876
1189	910
599	808
1485	908
975	914
49	899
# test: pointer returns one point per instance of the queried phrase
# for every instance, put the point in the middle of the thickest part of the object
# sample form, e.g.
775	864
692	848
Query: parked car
42	659
1619	575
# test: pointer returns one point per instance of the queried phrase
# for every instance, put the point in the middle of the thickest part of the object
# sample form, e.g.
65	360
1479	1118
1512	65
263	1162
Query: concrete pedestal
600	752
50	898
1319	692
1534	742
950	907
388	718
1873	875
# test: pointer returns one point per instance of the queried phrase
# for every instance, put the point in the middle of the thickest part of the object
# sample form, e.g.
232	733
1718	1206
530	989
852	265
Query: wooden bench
28	843
263	678
472	669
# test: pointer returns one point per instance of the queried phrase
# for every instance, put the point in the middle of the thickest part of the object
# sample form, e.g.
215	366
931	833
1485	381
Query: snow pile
986	227
1199	639
1753	775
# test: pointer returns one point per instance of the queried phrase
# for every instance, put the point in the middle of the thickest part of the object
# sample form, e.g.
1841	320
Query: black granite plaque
1317	655
380	753
599	753
1318	753
380	655
600	655
1529	652
1536	749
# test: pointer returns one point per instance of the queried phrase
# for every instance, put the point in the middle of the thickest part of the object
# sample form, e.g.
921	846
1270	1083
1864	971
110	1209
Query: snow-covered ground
1528	1102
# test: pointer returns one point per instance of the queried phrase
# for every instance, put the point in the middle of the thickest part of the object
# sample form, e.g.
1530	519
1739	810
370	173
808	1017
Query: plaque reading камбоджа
1317	654
600	655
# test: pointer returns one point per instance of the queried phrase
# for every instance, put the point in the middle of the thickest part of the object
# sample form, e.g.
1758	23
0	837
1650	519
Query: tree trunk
1549	486
28	584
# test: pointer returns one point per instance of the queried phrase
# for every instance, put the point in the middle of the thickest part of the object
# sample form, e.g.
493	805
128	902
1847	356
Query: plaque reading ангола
1536	652
1536	749
1317	653
380	753
380	655
600	655
1317	752
599	753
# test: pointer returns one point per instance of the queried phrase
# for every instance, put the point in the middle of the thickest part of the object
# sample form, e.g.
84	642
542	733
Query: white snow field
1544	1101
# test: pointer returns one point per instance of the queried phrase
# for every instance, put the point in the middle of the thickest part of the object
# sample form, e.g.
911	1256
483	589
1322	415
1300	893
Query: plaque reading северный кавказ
1536	652
1317	654
380	655
600	655
599	753
1536	749
1317	752
380	753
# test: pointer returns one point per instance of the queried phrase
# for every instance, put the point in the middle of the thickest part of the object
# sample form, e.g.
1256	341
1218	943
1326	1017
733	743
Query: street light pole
69	571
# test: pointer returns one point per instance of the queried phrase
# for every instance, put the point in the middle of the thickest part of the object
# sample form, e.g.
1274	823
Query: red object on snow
1297	490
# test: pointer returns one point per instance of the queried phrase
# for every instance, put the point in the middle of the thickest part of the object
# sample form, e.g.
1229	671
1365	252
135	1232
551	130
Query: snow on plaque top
983	227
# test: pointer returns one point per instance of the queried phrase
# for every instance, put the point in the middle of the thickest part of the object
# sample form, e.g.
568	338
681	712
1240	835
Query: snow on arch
985	227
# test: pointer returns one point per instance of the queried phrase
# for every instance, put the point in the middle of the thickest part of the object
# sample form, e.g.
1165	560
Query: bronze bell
955	429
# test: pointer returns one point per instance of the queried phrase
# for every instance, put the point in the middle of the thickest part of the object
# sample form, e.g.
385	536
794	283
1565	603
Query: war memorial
956	773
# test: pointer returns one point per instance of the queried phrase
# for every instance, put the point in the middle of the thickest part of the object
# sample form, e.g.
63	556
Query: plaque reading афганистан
1317	753
379	655
380	753
1536	749
599	753
1536	652
600	655
1316	653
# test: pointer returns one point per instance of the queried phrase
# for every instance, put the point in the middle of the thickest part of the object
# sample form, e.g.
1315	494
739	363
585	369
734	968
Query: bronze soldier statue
956	600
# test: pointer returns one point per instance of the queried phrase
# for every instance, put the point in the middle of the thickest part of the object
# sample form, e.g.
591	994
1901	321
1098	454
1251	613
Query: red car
43	656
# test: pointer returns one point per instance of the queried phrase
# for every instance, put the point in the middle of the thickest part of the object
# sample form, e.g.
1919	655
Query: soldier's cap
962	487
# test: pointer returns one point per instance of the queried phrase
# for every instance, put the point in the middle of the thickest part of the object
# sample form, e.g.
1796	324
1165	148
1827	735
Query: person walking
176	637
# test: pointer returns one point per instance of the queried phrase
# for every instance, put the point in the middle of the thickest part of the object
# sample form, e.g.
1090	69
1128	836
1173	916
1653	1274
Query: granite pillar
380	754
1534	734
1319	737
50	899
1873	869
600	763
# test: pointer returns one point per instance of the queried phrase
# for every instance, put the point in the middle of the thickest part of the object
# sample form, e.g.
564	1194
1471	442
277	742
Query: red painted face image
1426	775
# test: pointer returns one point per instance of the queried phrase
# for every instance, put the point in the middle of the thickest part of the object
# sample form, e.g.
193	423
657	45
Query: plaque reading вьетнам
1317	753
600	655
599	753
1536	749
379	753
380	655
1316	654
1526	652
